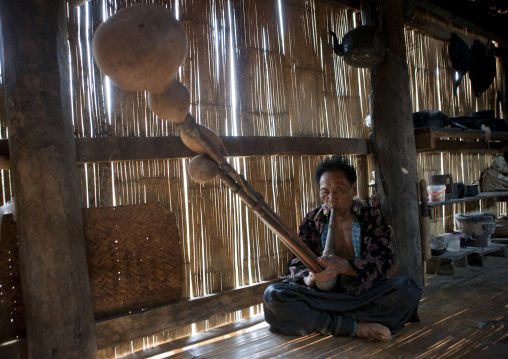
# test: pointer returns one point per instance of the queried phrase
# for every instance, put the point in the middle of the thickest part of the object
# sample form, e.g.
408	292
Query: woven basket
134	262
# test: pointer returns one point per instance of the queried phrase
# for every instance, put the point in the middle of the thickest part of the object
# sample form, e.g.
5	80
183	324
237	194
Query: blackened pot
470	122
472	190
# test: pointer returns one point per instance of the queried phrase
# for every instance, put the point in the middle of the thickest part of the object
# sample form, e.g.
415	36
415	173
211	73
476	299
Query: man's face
336	191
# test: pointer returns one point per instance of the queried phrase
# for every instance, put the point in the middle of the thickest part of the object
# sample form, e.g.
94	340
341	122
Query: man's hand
334	266
309	280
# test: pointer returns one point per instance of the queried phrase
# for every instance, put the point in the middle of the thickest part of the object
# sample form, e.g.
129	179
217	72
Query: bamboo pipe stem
306	256
329	249
253	199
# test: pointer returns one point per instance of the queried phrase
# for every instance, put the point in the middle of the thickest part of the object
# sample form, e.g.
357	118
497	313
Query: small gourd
194	144
172	104
202	169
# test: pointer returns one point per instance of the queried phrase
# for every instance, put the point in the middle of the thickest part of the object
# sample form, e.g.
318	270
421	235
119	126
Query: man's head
336	163
336	179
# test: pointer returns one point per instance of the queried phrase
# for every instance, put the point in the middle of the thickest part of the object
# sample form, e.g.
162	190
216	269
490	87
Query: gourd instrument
253	199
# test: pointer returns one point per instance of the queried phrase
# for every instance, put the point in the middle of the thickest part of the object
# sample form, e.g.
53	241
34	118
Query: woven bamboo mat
134	257
134	262
12	314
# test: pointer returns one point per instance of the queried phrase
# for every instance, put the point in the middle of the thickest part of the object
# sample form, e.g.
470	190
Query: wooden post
393	144
54	276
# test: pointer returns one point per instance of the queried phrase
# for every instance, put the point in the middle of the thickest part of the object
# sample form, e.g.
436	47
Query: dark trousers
294	310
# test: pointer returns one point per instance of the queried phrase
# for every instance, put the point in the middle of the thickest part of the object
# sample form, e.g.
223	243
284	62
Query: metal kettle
363	46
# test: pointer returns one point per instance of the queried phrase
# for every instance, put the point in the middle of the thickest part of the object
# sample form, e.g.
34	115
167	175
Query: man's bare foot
373	331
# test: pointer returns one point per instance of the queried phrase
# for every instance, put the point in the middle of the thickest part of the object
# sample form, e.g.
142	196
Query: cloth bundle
495	178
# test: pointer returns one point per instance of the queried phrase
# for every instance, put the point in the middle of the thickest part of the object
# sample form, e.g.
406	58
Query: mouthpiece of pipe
329	249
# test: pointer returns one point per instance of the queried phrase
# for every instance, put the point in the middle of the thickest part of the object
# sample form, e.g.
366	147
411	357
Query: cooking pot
361	47
437	246
437	249
472	190
495	124
470	122
430	118
459	190
485	114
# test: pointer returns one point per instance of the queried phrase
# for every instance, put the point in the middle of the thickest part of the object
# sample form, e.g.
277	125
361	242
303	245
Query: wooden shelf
470	256
457	140
501	196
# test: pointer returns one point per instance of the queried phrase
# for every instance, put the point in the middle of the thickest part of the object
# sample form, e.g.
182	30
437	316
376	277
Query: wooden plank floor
462	316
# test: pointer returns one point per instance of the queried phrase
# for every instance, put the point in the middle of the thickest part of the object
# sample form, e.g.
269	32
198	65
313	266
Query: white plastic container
436	193
453	240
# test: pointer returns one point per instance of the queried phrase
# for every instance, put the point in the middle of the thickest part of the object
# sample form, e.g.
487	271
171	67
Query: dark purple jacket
376	257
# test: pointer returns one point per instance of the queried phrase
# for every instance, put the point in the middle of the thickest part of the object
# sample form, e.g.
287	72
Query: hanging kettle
363	47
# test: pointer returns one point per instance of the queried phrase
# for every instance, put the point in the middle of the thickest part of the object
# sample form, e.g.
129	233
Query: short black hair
336	163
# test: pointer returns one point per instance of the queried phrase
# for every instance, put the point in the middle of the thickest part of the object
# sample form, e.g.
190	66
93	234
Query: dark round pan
495	124
470	122
430	118
438	252
485	114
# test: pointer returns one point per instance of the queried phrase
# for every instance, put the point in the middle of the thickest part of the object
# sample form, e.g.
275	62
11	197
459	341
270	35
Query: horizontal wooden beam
439	28
353	4
18	348
461	14
120	330
432	21
115	149
197	338
112	149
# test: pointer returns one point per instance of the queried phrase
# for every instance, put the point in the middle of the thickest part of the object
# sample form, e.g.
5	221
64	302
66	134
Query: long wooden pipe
253	199
329	249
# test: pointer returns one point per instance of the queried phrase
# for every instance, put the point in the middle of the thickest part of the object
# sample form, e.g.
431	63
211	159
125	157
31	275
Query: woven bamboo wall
254	67
249	74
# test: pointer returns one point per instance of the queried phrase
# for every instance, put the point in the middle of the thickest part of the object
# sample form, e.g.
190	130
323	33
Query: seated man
363	302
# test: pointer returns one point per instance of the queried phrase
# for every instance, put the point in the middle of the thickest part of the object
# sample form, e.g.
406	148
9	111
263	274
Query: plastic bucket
436	193
453	240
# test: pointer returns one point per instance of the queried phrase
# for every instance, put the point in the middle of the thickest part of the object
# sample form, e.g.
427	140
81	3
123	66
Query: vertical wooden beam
504	88
54	276
393	144
362	170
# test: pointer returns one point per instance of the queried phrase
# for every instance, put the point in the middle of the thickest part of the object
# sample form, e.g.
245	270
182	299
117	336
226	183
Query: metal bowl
437	248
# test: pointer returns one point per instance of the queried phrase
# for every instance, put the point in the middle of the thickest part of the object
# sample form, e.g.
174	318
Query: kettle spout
337	48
